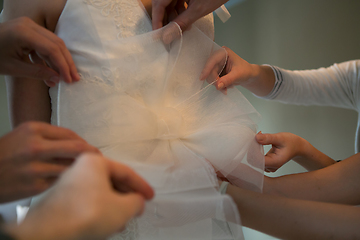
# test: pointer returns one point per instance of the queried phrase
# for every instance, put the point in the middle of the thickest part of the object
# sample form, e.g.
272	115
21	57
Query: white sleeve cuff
278	82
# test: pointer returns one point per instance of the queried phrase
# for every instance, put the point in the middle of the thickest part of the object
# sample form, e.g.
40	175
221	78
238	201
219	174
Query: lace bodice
123	19
140	101
129	16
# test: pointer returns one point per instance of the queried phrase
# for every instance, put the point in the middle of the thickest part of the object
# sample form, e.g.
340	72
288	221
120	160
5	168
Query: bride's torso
96	33
141	102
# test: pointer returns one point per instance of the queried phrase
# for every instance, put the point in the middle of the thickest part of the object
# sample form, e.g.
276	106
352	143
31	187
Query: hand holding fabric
258	79
33	156
92	200
288	146
177	12
285	146
22	37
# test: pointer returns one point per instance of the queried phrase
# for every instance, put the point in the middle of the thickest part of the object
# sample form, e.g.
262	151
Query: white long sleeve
337	86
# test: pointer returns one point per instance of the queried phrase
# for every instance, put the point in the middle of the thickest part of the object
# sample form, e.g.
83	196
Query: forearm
262	82
28	100
311	158
296	219
338	183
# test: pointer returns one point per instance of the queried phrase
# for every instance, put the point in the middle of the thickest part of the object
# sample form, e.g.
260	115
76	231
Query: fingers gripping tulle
141	101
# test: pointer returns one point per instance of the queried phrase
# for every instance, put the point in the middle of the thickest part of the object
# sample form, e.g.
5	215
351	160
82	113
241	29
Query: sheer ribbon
141	102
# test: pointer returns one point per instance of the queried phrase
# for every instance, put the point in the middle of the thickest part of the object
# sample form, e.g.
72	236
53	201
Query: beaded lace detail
132	84
130	19
128	15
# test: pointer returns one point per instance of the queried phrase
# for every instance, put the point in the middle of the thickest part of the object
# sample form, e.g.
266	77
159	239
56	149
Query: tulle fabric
141	102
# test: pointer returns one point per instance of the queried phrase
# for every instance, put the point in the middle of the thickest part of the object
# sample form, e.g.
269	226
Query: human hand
236	71
21	37
258	79
33	156
176	11
92	200
285	146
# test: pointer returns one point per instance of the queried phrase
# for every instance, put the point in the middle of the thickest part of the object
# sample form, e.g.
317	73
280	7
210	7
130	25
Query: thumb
266	139
226	81
185	19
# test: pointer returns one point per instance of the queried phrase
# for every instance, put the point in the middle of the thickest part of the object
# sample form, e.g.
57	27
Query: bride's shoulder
43	12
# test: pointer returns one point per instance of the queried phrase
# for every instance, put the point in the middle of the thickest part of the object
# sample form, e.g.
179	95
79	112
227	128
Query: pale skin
29	100
319	185
325	177
260	80
315	204
39	97
176	11
287	146
21	37
311	205
288	218
33	156
110	195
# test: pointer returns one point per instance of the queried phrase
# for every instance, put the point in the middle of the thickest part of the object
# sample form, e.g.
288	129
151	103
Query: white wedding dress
140	101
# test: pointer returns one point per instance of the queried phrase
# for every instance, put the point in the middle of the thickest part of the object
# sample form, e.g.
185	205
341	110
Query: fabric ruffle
141	102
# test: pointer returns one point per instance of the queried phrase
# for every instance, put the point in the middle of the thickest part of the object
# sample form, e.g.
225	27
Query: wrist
304	150
304	147
261	81
254	76
311	158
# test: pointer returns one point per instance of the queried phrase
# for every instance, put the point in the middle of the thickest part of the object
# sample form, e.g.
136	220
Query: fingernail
221	85
201	77
55	79
260	137
77	77
50	84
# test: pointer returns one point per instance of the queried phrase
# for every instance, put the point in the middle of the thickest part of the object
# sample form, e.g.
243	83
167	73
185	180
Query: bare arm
287	146
28	98
313	159
296	219
338	183
90	181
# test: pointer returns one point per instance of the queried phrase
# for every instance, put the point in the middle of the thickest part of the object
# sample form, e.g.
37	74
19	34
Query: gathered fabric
141	102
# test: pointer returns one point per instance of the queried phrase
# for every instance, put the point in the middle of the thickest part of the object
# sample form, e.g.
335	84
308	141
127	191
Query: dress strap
223	13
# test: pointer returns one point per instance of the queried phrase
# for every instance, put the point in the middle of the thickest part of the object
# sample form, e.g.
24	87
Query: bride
140	101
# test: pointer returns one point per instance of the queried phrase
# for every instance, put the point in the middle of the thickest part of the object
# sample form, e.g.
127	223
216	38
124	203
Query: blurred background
294	35
297	35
